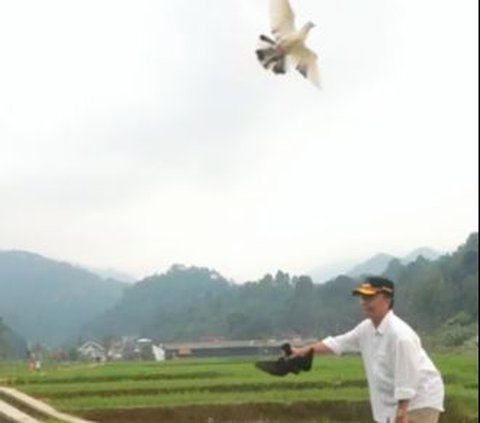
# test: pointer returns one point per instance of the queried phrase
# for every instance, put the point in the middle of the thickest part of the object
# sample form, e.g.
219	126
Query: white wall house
92	351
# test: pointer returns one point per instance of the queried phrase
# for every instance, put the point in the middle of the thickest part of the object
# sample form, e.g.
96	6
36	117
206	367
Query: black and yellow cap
373	285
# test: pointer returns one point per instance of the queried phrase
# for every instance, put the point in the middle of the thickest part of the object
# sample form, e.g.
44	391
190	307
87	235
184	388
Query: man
404	385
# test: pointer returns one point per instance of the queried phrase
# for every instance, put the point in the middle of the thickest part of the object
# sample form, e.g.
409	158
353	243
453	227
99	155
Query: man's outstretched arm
318	348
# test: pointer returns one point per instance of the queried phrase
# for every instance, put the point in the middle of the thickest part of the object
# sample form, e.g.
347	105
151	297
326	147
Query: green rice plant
206	397
181	383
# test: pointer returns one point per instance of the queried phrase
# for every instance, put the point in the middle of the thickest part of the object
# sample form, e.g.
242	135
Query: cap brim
365	291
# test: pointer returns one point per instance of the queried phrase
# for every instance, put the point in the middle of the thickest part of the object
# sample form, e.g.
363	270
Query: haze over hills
374	265
425	252
379	263
108	273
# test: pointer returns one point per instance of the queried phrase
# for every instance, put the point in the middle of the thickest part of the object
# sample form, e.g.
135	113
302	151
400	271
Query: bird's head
305	30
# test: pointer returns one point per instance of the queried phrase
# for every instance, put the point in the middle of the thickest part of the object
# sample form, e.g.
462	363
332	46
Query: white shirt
397	366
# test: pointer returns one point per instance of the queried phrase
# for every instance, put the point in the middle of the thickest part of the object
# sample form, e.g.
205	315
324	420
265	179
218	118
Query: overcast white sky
136	134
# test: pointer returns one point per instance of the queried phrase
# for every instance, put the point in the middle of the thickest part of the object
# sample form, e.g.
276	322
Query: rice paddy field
227	390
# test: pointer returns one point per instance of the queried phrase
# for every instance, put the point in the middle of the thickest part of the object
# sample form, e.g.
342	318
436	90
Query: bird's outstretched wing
305	61
282	18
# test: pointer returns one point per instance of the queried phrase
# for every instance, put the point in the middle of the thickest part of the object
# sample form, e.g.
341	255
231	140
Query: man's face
375	306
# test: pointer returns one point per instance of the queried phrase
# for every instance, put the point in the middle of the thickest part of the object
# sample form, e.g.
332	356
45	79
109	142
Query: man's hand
301	351
318	348
402	412
402	419
297	351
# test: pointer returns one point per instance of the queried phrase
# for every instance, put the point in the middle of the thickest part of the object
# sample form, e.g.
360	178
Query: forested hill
47	301
12	346
438	296
164	303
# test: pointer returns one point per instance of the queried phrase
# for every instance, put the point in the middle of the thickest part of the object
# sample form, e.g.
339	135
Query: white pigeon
287	48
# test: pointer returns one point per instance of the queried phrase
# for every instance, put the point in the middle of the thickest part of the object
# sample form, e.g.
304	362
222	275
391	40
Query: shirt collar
383	326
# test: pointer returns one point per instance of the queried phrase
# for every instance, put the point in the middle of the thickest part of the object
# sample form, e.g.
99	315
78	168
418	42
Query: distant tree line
438	297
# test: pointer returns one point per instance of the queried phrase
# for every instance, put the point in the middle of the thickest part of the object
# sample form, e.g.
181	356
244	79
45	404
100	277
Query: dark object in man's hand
286	364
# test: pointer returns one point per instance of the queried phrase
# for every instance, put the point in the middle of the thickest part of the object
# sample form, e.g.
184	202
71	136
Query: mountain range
189	303
56	303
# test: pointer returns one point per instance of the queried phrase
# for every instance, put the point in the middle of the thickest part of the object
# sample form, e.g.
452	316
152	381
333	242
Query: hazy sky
137	134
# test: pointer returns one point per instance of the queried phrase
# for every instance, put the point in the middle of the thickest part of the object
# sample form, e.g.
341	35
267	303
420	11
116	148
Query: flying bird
287	47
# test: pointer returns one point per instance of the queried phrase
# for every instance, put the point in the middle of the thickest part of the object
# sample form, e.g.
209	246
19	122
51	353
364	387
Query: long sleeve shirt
396	365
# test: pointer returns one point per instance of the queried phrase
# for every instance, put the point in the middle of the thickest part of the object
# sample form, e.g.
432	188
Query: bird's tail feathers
269	56
270	59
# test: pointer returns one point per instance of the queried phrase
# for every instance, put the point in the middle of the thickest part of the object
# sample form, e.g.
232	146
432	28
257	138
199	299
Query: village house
92	351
